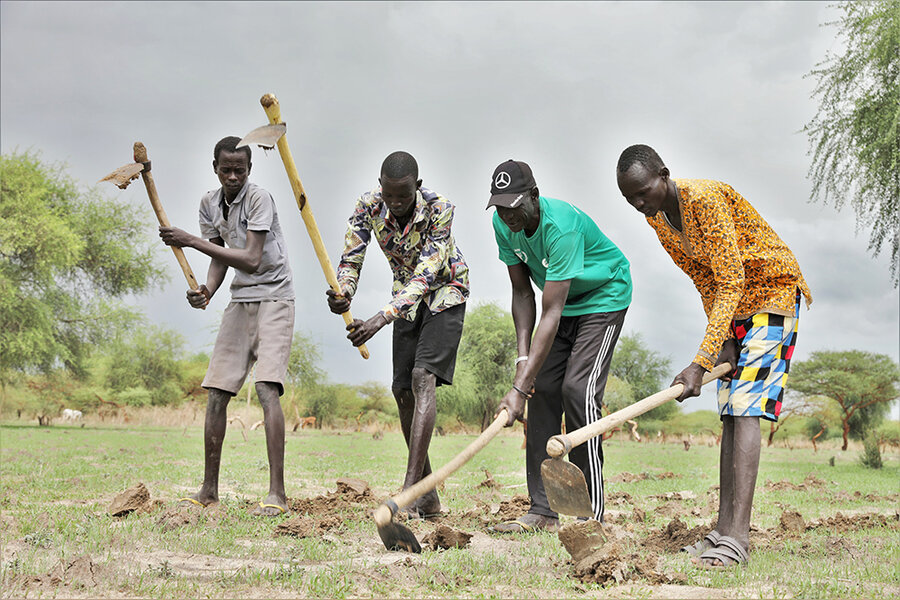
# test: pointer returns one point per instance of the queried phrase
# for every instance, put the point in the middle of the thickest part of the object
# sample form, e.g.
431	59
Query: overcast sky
717	88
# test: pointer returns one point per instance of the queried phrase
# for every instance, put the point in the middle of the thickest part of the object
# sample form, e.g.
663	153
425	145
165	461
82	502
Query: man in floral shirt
431	283
750	285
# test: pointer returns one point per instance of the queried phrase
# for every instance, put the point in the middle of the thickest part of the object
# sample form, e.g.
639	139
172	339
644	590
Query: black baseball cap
511	183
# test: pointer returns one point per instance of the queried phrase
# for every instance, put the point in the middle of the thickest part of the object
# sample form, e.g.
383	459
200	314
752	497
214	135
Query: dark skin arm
537	347
246	259
200	298
692	375
360	331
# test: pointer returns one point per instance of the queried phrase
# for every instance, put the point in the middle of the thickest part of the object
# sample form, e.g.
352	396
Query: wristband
521	359
525	395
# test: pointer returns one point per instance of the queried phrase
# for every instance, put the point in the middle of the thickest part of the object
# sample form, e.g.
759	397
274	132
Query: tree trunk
772	430
846	425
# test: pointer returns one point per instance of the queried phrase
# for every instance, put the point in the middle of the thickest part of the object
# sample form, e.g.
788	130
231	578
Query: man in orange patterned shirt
750	284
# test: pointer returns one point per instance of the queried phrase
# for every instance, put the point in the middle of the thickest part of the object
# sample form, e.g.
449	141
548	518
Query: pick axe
564	483
396	536
268	136
141	167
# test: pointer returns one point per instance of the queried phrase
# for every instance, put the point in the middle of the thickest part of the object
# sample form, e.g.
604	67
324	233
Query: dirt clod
582	538
178	516
348	485
446	537
489	481
130	500
513	508
675	536
792	523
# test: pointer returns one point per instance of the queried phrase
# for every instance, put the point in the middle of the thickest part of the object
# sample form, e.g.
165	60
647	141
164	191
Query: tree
644	370
857	381
144	366
304	378
485	363
855	135
67	257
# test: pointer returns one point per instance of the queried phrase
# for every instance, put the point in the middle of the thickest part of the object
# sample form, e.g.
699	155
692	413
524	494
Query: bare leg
274	423
739	474
417	415
213	437
726	476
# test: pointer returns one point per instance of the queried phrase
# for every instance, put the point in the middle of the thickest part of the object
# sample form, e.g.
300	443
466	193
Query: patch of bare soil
612	564
675	536
511	509
80	572
352	495
811	483
181	515
626	477
302	526
841	523
446	537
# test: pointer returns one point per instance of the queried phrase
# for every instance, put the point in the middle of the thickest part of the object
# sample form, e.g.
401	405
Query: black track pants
571	381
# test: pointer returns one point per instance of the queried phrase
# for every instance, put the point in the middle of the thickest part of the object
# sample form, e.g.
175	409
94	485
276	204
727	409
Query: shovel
564	483
268	136
141	166
398	537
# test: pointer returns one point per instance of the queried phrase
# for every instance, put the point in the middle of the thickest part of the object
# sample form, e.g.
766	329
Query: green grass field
58	540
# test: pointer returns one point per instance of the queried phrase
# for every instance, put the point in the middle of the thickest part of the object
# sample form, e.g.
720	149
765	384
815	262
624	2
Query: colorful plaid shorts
757	386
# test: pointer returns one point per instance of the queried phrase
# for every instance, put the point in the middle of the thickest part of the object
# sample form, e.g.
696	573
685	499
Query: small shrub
870	457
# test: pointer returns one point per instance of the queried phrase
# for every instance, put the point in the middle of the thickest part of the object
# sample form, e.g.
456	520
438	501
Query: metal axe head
125	175
566	488
265	137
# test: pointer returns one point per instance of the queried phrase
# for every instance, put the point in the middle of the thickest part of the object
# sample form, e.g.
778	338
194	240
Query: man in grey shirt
258	323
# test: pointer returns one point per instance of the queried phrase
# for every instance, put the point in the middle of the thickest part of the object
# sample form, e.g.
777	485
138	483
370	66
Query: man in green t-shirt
586	289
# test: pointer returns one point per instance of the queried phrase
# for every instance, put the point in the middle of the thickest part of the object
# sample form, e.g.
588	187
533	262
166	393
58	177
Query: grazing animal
307	422
70	414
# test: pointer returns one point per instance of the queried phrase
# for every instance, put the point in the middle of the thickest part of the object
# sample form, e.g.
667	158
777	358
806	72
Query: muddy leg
274	423
213	436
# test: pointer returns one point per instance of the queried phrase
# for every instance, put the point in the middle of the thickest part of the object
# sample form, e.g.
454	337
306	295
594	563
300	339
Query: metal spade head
125	175
566	488
265	136
397	537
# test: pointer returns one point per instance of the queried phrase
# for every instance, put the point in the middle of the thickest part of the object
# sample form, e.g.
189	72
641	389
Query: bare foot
271	506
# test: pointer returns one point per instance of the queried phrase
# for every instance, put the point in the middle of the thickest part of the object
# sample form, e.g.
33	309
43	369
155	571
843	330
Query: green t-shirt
569	245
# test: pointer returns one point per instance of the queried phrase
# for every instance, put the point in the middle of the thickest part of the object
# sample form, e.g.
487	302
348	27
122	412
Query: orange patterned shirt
736	260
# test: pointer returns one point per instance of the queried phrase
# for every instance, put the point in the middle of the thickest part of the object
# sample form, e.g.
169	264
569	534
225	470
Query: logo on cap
503	180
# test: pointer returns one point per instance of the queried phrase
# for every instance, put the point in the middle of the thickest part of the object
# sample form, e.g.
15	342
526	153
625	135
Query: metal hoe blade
566	488
397	537
265	136
125	175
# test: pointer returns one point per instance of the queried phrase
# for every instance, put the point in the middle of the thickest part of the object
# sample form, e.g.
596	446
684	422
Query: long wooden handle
140	155
383	514
273	111
560	445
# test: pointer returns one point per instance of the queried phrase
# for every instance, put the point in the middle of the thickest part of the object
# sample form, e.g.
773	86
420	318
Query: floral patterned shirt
423	256
736	260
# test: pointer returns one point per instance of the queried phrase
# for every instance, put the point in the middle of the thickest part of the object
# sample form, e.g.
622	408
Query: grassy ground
58	540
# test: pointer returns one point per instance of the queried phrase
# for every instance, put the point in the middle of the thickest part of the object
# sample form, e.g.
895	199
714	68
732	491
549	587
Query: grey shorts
250	332
430	342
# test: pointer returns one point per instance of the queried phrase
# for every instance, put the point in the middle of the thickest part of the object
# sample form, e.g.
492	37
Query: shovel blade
265	136
397	537
566	488
125	175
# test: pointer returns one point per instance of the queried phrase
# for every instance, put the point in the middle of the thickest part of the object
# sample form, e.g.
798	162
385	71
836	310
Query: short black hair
229	144
641	154
400	164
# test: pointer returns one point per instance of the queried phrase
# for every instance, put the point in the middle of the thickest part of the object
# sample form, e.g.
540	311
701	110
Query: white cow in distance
70	414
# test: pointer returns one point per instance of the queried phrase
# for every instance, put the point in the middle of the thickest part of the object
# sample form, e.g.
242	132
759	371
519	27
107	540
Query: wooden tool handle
273	111
140	155
560	445
383	514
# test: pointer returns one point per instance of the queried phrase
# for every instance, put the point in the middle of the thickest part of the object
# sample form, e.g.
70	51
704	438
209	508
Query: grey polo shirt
252	210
